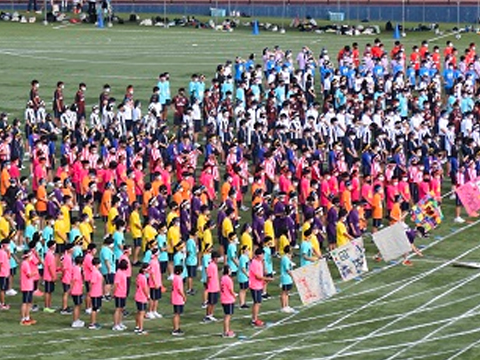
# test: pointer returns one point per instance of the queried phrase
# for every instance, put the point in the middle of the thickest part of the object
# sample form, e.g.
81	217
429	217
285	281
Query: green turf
392	309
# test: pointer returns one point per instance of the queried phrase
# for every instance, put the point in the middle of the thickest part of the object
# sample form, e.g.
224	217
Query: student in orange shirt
132	197
377	207
346	198
5	178
42	201
396	211
226	186
106	203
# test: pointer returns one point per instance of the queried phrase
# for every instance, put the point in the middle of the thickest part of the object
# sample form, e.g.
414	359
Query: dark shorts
96	303
109	279
331	237
13	271
27	297
77	300
233	274
137	242
192	271
66	287
178	309
243	285
368	213
120	302
287	287
458	202
197	126
377	222
42	214
170	257
141	306
87	286
405	206
129	281
155	294
4	283
60	249
163	266
256	296
177	119
213	298
228	309
49	287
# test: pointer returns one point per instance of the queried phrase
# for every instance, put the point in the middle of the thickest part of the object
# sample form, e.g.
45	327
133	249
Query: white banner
314	282
350	259
392	242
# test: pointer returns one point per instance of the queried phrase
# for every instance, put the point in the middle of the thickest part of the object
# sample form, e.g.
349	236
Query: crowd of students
318	146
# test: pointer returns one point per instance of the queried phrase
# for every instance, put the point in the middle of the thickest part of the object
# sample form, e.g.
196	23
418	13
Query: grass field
428	311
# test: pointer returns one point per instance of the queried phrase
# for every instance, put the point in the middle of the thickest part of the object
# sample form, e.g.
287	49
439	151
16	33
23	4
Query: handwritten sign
392	242
314	282
350	259
469	195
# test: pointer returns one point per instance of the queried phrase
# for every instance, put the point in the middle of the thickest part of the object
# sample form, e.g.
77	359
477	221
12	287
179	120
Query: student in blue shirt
206	258
192	87
107	265
179	258
232	257
242	276
162	247
191	261
147	256
118	238
267	260
286	281
75	230
306	249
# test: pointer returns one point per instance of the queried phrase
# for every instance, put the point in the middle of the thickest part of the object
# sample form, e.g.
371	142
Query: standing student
213	287
163	250
108	267
4	272
377	207
178	300
227	298
256	281
120	294
118	238
343	237
142	296
67	268
286	267
232	257
87	274
268	264
206	258
191	261
49	275
242	275
27	275
96	291
77	292
136	230
155	285
127	252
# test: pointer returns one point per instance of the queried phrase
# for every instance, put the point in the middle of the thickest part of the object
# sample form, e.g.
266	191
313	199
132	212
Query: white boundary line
464	350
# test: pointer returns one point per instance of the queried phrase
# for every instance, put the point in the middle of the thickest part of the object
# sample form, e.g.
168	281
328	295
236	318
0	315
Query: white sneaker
291	310
170	277
117	328
284	310
78	324
88	311
11	292
157	315
458	220
452	197
212	318
123	326
150	316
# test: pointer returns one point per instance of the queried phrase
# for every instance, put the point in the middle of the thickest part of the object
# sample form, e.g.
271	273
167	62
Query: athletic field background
428	311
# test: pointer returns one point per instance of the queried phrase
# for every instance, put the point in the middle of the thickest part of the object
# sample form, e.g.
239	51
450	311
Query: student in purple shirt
332	219
185	224
258	225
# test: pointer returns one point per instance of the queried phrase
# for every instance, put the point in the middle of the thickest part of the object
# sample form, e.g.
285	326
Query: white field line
464	350
436	331
443	36
458	286
373	302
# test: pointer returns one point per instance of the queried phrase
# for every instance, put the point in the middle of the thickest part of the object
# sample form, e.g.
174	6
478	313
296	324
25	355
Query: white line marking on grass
458	286
443	36
373	302
437	330
464	350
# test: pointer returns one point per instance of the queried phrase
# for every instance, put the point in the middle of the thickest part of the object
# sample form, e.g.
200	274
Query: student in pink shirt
27	274
87	274
227	298
213	287
120	294
127	252
67	268
76	290
96	292
142	296
256	281
4	272
155	285
49	275
178	299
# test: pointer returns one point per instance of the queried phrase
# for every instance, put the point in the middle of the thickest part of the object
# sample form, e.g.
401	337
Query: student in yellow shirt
5	224
306	225
60	234
174	212
283	241
201	221
112	214
173	238
227	228
246	239
29	207
85	229
207	240
135	224
315	243
88	210
268	228
65	210
149	233
343	237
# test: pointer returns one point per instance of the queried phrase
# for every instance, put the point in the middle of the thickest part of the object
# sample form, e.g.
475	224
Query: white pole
403	17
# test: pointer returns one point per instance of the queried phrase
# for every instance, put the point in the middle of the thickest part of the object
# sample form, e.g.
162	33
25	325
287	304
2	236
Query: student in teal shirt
162	247
232	260
119	238
47	232
268	263
206	258
286	281
147	256
242	276
74	231
191	261
179	258
306	250
108	265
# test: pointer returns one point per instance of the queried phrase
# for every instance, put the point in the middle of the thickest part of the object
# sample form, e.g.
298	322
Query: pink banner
469	195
